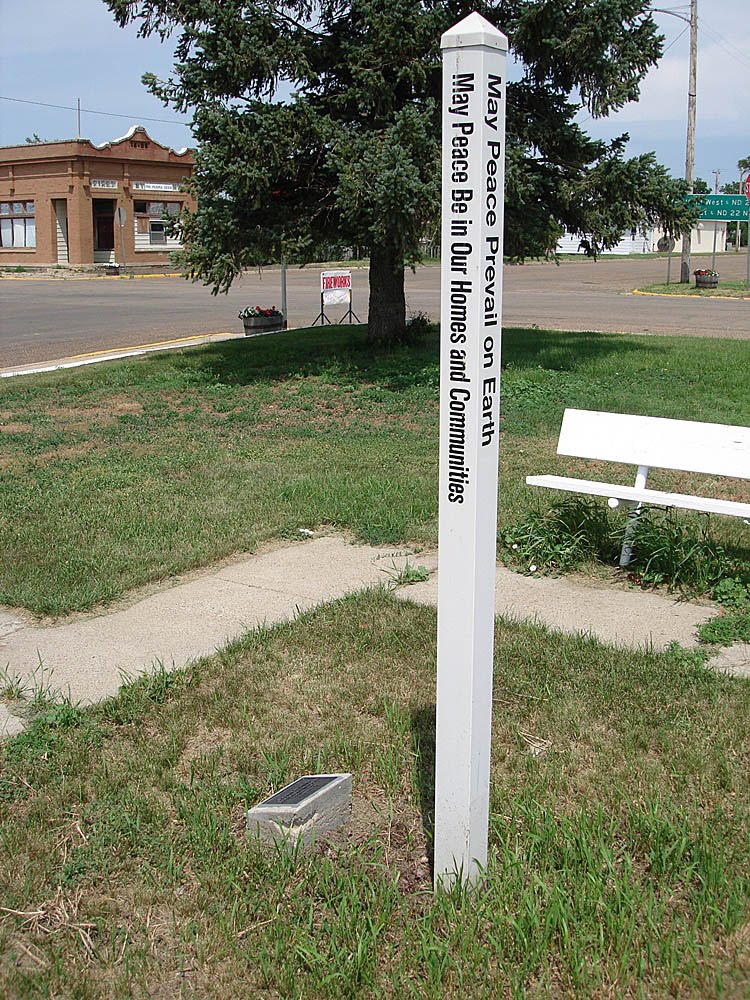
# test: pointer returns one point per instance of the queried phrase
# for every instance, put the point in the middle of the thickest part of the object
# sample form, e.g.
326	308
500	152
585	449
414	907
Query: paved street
597	295
41	320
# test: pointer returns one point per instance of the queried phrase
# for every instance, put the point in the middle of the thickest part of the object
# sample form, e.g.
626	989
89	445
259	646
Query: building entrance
61	227
104	230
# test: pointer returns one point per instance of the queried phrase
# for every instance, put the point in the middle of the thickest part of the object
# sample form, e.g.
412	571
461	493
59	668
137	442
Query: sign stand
474	60
321	317
335	287
349	316
121	218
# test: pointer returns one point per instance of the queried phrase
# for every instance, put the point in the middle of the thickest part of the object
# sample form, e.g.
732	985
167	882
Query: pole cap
473	31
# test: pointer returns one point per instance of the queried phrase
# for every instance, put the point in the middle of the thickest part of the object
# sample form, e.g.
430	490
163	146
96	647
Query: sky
58	51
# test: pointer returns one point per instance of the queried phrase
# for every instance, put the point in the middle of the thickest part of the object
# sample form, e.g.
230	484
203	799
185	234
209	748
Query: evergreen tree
320	122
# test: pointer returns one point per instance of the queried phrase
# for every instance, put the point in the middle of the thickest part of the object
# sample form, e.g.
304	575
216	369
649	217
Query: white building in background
632	243
701	241
702	237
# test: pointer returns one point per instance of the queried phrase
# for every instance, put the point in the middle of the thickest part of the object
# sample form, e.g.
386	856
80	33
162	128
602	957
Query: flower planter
262	324
706	281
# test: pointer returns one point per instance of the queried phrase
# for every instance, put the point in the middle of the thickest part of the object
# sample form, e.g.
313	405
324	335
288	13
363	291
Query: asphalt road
44	320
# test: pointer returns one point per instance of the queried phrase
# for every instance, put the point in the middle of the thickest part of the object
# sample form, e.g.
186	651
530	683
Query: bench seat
681	445
709	505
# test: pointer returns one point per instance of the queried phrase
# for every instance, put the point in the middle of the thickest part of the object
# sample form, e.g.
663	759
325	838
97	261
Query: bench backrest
715	449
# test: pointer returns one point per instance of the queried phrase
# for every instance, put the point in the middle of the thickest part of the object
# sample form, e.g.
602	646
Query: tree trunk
387	312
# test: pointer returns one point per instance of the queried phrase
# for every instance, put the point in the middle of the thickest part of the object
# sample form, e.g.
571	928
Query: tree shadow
342	355
569	350
423	740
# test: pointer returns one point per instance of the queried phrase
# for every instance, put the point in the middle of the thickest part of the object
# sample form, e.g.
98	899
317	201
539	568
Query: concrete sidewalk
87	658
116	354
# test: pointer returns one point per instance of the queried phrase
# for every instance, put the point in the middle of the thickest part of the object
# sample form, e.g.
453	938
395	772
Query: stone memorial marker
308	808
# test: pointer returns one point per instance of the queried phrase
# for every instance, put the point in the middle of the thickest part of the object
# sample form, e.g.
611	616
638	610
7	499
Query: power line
90	111
675	40
723	43
666	49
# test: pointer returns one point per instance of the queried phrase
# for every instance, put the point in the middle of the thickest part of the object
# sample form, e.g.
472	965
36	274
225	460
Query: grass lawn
619	829
731	289
119	475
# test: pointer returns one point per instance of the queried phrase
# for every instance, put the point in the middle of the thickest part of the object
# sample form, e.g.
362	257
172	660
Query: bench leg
626	553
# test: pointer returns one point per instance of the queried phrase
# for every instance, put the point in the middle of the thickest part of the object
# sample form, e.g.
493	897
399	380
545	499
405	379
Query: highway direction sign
722	207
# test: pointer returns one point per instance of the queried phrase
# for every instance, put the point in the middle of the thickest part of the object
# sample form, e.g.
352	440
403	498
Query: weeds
668	549
678	553
12	687
32	696
407	574
564	537
732	592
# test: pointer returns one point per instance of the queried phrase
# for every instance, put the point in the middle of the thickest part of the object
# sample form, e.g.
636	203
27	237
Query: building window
17	224
150	216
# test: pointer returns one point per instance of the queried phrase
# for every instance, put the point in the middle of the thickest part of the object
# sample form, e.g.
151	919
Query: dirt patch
64	452
81	417
16	428
121	408
202	744
395	827
272	416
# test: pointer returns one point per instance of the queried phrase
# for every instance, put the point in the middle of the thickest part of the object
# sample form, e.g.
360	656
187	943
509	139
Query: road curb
84	277
117	354
681	295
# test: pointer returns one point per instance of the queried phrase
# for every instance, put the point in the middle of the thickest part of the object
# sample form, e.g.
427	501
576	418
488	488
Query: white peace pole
474	59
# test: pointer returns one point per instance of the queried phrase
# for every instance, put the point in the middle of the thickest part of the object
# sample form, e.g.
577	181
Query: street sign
747	187
474	59
121	218
722	207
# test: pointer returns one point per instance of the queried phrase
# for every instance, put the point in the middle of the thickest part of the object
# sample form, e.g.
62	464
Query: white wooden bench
685	445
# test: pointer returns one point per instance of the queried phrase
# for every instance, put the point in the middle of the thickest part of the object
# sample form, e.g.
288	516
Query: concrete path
631	618
87	658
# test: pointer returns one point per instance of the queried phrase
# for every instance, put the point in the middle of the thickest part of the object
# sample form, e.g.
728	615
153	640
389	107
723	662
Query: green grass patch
619	828
728	628
732	289
123	474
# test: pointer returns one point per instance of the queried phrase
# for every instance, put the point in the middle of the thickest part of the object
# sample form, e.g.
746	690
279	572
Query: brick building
58	200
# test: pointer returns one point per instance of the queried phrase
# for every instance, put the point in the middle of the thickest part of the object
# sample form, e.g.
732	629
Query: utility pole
284	308
690	144
739	224
717	175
